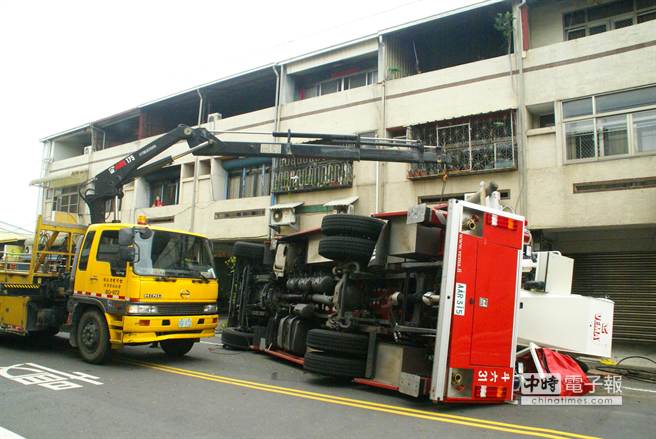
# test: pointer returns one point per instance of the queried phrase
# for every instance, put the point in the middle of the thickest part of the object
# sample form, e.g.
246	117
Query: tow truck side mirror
125	241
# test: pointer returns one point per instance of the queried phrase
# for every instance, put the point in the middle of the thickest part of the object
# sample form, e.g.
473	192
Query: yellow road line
421	414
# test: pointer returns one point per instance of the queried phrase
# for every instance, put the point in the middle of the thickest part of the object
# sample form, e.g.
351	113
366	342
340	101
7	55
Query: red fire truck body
476	334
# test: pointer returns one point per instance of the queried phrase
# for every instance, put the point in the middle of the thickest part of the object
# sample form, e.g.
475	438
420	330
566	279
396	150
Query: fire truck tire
333	365
338	342
93	337
346	248
177	347
351	225
248	250
233	338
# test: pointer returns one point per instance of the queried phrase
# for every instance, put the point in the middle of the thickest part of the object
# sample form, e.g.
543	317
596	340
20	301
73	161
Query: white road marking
6	434
30	373
639	390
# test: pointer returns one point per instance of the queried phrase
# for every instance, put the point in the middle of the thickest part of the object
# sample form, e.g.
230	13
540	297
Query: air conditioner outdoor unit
283	215
344	205
88	150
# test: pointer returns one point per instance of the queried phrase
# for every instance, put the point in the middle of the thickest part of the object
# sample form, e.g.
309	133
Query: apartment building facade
555	101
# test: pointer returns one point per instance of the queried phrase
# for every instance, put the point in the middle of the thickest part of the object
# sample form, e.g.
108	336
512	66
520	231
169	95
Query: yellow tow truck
113	284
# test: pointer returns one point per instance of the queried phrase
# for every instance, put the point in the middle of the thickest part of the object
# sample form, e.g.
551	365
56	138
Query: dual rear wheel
338	354
349	237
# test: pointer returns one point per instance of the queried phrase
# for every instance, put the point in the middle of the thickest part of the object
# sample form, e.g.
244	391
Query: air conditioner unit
88	150
283	215
344	205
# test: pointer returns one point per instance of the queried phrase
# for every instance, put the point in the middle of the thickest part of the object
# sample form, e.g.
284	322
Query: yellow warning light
142	220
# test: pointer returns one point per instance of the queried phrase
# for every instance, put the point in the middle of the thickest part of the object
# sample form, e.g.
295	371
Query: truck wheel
329	364
177	347
338	342
93	337
248	250
233	338
351	225
345	248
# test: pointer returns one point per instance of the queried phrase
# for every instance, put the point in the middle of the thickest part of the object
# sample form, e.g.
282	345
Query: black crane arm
327	146
109	183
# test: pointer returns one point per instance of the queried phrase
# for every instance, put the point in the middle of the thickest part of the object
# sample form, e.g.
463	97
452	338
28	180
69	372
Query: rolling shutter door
628	279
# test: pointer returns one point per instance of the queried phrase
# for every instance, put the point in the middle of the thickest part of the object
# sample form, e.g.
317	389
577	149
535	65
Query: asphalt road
227	394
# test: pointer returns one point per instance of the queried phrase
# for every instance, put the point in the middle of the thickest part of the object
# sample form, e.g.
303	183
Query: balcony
475	144
303	175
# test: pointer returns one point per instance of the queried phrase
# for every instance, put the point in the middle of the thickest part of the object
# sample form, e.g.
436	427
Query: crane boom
109	183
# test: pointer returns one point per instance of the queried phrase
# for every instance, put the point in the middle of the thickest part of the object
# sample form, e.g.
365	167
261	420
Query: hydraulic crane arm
327	146
109	183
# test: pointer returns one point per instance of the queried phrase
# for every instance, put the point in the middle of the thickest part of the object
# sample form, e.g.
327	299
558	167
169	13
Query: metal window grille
481	143
305	174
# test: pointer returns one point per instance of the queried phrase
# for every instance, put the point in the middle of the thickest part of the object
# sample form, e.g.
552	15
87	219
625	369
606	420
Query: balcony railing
482	143
302	174
471	158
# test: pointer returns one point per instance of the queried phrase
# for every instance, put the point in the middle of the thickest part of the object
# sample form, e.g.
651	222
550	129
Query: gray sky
66	63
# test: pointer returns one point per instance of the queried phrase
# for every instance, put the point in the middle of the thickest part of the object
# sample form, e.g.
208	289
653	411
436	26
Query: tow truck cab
150	284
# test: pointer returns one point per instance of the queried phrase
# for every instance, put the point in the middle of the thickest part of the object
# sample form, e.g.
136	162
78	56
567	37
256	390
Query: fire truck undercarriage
425	301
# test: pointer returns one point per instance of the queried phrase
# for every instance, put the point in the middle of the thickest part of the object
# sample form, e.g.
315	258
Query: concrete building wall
572	69
554	70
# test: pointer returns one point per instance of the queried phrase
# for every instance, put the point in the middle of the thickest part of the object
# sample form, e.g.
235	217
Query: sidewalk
626	349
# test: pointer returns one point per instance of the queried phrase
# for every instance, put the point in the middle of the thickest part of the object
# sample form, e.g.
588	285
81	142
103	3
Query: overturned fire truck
429	301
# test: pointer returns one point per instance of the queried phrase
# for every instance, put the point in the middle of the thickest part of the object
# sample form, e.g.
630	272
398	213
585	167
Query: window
108	246
174	254
609	125
609	16
86	250
338	84
577	107
580	139
249	182
108	251
612	134
644	129
65	199
546	120
165	185
167	191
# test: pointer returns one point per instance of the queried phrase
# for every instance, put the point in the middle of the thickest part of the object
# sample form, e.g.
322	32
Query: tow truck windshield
175	255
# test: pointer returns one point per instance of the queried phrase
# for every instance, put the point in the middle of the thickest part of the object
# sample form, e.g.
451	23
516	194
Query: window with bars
610	125
480	143
65	199
609	16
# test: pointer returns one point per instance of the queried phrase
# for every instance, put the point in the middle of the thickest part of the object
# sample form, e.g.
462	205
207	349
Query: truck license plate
184	323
